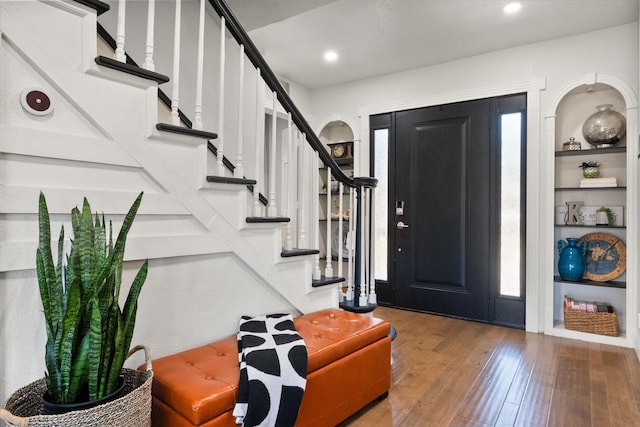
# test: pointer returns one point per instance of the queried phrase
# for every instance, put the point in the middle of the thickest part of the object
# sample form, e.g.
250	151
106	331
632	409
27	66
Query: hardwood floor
449	372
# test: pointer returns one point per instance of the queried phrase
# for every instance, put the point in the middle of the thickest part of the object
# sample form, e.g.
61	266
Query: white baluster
373	298
317	274
350	237
239	170
272	209
220	164
197	119
295	172
119	54
362	301
304	190
259	137
288	167
148	56
328	269
175	118
340	230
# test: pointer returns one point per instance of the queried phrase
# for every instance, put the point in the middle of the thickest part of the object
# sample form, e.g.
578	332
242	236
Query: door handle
401	225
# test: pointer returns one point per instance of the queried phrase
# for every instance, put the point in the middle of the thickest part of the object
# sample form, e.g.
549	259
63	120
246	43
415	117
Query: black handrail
240	35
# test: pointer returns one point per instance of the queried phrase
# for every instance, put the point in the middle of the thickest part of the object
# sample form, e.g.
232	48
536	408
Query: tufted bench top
200	383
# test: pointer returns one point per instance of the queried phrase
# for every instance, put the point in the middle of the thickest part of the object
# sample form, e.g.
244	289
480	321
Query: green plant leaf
80	370
116	339
50	289
68	342
131	305
95	350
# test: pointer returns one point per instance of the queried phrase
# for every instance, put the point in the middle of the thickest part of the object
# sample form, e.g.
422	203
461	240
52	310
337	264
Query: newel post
362	183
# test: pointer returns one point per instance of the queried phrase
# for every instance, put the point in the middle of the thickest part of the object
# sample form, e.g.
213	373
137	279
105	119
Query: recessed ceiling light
331	56
512	7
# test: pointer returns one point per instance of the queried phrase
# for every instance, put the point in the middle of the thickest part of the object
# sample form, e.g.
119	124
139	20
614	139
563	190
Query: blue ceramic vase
571	263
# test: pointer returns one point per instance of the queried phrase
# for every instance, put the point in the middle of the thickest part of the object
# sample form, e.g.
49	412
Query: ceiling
377	37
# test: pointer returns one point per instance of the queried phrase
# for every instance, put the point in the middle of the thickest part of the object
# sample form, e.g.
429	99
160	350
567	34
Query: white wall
541	69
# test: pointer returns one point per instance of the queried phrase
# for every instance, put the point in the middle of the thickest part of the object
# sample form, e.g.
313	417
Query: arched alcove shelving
568	111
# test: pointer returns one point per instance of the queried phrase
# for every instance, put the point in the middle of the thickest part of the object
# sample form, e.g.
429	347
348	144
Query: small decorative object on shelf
602	182
605	217
593	317
341	150
606	256
571	264
572	145
590	169
573	215
604	127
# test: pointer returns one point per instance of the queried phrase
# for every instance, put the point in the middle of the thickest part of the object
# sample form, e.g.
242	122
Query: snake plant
88	335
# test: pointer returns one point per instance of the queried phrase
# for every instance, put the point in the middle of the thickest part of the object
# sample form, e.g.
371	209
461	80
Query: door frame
537	225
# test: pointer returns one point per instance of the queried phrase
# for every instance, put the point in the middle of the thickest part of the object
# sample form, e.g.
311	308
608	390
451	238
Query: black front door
443	166
444	210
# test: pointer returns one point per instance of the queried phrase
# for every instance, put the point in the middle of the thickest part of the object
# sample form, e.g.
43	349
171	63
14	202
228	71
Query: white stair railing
239	170
220	140
363	253
175	87
148	55
315	209
293	156
304	194
272	207
350	246
328	269
369	244
340	227
259	145
287	184
120	32
197	121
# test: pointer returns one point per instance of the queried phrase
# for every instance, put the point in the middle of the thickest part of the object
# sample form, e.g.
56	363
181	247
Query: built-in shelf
560	331
589	188
594	151
599	227
586	282
573	107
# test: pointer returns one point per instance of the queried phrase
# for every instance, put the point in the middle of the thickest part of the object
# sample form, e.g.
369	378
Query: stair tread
265	219
131	69
298	252
324	281
167	127
230	180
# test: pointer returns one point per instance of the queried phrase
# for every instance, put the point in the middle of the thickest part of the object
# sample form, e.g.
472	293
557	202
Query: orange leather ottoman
349	366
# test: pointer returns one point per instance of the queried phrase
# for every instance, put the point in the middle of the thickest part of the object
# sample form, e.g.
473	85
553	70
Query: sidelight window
381	171
510	204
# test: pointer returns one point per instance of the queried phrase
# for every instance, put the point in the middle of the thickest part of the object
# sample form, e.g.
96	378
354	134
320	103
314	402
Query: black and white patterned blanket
273	371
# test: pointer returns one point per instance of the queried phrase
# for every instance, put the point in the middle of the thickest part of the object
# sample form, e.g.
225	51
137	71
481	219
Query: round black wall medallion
36	102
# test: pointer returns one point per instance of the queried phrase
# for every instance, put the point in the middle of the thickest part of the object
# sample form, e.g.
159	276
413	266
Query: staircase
229	219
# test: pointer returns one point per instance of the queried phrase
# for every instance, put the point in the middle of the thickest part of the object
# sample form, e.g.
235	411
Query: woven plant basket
24	407
593	322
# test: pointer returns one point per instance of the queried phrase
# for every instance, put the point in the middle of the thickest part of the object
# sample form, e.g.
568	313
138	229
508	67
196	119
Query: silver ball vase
605	127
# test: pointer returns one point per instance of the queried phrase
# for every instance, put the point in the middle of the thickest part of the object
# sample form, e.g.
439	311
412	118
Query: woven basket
594	322
24	407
